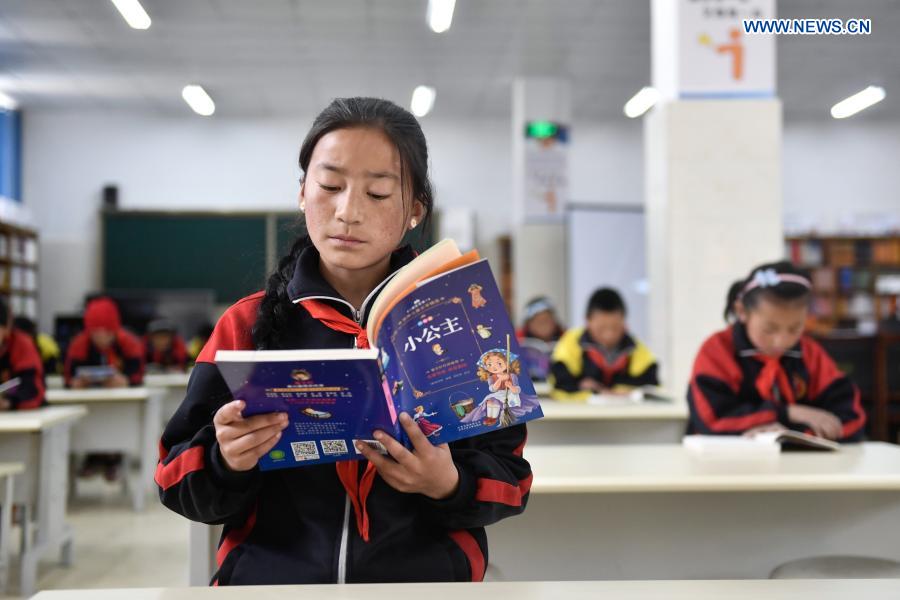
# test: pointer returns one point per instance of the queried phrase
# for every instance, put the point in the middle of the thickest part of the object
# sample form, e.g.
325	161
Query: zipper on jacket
342	551
357	314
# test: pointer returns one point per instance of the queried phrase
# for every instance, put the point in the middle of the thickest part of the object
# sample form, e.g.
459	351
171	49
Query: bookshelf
19	269
856	280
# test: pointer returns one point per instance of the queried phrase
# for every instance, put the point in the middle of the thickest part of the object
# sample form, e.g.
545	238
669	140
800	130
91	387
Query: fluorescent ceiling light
857	102
198	100
641	102
133	13
440	14
7	102
422	100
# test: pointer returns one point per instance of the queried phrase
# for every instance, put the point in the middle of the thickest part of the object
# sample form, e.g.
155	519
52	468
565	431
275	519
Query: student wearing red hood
104	343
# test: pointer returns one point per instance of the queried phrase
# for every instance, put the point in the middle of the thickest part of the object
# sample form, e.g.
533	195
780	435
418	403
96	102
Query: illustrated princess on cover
504	405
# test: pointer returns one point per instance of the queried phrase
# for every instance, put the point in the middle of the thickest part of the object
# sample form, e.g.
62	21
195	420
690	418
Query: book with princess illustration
444	352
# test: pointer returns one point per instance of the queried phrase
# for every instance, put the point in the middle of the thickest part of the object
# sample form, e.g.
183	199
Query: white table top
669	468
89	395
581	411
13	468
55	382
167	379
38	419
834	589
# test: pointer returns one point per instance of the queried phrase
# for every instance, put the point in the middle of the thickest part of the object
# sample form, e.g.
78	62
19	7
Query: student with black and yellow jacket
602	355
411	516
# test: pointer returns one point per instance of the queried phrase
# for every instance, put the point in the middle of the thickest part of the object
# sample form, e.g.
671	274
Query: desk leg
202	552
6	524
150	431
51	528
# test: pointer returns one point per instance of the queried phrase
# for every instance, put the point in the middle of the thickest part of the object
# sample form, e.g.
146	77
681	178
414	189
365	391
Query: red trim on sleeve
492	490
234	331
24	356
467	543
181	466
852	427
235	538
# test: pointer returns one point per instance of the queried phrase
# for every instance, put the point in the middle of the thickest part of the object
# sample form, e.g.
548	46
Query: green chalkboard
225	253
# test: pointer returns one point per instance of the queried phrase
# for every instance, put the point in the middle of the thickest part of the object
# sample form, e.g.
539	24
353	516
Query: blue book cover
446	354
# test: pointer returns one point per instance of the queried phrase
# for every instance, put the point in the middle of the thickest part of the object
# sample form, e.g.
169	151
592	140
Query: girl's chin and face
354	199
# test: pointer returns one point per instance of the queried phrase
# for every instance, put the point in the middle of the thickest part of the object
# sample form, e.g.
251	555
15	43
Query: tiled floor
116	547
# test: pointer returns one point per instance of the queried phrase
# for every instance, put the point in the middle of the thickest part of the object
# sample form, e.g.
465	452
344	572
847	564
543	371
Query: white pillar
538	233
712	171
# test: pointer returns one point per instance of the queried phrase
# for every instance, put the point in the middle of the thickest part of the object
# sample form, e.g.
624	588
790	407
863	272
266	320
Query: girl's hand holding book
243	441
428	470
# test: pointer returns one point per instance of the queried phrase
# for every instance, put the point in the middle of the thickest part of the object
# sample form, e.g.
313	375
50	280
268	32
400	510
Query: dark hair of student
25	324
402	128
606	300
778	282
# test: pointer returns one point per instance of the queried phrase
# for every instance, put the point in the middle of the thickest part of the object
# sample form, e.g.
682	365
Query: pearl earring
412	224
303	207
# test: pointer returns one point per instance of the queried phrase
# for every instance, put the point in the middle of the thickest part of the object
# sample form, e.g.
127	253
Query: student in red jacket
165	349
19	359
412	516
763	373
104	343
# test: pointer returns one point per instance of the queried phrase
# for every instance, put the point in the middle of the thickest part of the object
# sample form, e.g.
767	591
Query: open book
444	351
759	445
625	394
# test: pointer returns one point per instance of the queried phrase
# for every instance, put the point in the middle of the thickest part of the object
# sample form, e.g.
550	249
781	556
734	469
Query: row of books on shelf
18	248
25	306
827	280
859	306
18	278
844	253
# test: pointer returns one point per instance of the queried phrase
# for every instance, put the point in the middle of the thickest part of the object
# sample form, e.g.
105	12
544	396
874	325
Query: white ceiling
289	57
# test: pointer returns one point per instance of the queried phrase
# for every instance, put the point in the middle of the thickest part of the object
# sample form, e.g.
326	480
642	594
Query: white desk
55	382
39	439
834	589
174	385
126	420
654	512
648	422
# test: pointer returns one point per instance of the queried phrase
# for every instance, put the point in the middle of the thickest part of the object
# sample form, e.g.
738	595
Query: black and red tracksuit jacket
126	354
327	523
174	357
19	357
734	387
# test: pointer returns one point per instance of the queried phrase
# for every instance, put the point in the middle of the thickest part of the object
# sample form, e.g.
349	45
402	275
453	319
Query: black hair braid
273	309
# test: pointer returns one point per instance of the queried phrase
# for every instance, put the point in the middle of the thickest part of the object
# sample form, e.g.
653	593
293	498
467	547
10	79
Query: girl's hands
823	423
243	442
428	470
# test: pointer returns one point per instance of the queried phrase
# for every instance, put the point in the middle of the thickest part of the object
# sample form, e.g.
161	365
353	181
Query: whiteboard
606	247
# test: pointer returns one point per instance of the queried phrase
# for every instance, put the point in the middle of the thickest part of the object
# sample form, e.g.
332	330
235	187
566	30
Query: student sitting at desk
165	350
47	347
538	336
104	343
602	355
763	373
19	359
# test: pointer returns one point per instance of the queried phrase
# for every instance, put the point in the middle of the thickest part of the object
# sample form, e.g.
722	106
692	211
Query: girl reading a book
406	516
762	373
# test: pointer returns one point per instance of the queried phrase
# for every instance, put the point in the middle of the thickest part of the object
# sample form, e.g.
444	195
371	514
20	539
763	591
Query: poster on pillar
546	171
708	55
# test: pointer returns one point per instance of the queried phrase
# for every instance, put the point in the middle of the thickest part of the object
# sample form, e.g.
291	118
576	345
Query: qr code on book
334	447
305	451
373	444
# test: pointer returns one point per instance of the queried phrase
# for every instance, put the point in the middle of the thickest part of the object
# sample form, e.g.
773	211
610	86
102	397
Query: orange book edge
467	258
